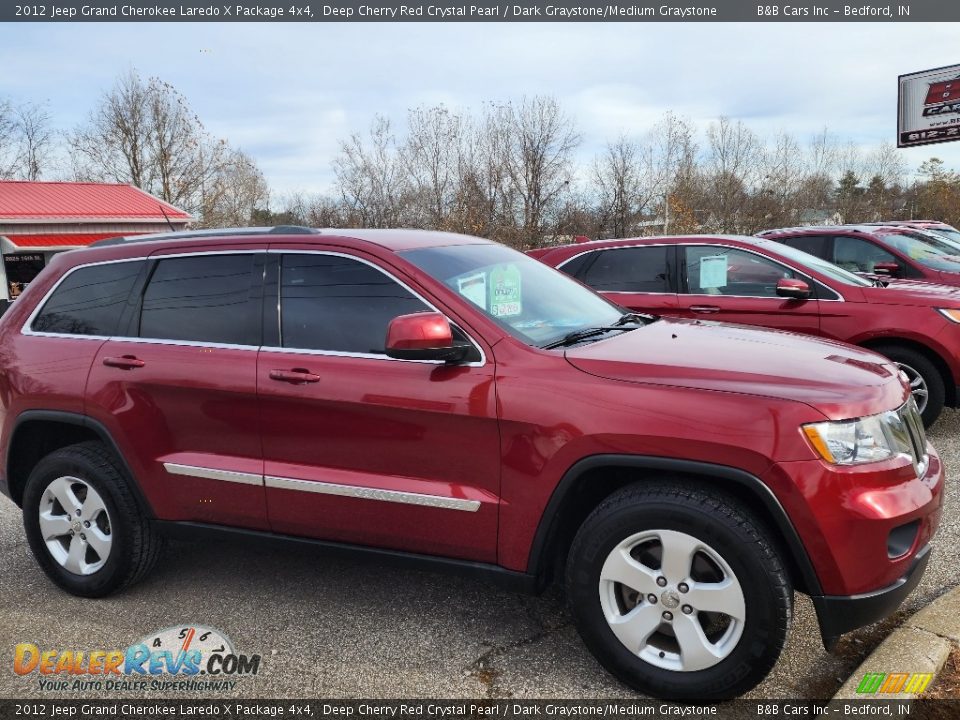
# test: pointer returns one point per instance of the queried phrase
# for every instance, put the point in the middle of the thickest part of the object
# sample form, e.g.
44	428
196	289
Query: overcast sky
287	93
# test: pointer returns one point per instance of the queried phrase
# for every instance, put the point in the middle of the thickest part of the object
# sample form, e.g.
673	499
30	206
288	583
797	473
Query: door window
814	244
329	302
858	255
202	298
636	269
90	300
715	270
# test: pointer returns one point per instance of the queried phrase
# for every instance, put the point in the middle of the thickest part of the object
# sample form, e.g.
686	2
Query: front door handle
705	309
297	376
126	362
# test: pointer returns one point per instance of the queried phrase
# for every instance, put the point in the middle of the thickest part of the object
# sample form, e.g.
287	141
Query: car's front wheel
679	592
83	523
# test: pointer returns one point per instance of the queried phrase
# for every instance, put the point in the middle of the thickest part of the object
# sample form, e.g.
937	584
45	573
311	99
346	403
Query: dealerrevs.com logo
182	658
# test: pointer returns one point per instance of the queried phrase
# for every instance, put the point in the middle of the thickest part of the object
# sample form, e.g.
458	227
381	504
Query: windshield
531	301
812	262
927	248
948	232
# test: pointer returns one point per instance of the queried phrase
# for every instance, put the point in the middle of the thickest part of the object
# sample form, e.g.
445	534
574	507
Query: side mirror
793	289
888	267
422	336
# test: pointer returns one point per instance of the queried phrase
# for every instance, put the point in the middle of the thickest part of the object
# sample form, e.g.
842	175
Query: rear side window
338	304
813	244
637	269
574	267
90	300
204	298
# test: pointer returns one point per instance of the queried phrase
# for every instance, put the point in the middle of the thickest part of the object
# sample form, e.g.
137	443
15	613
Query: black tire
725	526
928	371
135	544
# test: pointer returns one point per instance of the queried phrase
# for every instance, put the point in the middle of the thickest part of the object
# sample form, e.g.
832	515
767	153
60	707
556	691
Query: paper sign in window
505	295
713	271
474	289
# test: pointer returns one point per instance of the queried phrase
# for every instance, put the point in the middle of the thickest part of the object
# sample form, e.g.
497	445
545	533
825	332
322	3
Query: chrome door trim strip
210	474
369	493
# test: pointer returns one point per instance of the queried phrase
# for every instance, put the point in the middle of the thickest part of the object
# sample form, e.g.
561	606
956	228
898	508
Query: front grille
906	428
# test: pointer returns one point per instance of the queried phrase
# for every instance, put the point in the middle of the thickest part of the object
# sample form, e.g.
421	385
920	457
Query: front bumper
842	613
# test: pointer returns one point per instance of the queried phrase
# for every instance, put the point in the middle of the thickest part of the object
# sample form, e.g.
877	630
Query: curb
921	645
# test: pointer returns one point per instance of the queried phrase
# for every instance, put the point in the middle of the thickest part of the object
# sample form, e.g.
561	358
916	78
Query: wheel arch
37	433
594	478
950	386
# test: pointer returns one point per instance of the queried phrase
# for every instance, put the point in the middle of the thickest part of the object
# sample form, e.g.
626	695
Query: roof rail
213	232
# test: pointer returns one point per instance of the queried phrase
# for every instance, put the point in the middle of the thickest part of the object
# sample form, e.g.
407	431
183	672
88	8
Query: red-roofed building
39	219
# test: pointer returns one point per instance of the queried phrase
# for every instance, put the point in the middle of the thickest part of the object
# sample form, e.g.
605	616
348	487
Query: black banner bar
478	11
477	709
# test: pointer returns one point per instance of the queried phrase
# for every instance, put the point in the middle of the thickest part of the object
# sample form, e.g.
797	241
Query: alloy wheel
75	525
672	600
918	386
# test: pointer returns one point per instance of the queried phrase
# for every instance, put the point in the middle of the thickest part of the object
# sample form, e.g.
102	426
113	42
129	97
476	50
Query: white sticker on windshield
474	289
713	271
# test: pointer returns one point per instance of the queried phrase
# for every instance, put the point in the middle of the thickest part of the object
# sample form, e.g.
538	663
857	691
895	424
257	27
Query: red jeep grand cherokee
444	400
761	282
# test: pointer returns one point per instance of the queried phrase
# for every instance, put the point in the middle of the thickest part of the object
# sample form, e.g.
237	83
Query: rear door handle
126	362
704	309
297	376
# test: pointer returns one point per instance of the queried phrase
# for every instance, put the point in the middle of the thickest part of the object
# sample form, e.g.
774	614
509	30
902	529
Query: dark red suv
446	401
899	252
761	282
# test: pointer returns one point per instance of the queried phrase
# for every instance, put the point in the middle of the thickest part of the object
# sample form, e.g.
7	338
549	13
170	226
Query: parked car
940	228
761	282
891	251
447	402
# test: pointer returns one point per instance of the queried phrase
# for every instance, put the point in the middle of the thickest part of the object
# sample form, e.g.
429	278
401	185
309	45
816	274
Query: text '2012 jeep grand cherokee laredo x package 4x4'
443	399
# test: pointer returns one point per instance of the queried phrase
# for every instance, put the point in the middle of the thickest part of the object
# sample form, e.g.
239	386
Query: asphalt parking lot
333	628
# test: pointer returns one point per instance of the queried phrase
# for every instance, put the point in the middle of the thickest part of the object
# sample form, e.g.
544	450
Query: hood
839	380
913	292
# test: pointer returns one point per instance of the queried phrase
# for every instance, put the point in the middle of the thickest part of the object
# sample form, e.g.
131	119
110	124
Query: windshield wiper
634	317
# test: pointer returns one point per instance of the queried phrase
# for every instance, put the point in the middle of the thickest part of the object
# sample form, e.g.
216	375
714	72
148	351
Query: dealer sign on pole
929	107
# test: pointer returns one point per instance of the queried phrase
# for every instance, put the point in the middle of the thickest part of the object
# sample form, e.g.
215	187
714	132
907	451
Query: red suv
900	251
446	401
761	282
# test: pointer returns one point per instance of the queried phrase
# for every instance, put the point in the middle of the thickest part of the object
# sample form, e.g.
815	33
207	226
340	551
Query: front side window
202	298
333	303
925	248
635	269
858	255
716	270
90	300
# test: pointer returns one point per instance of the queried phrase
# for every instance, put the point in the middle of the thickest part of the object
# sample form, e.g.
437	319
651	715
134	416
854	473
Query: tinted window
639	269
205	298
335	303
714	270
90	300
857	255
813	244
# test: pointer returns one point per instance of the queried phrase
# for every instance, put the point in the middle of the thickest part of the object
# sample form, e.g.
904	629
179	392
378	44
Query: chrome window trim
241	478
839	298
368	356
26	328
369	493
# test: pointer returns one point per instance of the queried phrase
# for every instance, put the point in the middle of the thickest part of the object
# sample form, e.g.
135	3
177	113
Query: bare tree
432	155
234	195
8	144
538	153
372	178
35	140
623	175
732	173
145	133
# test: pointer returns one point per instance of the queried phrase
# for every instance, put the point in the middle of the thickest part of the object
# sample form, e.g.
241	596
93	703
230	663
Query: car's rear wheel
926	382
679	592
84	525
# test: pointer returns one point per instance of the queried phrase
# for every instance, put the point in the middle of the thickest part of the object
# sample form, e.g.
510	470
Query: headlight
851	442
950	314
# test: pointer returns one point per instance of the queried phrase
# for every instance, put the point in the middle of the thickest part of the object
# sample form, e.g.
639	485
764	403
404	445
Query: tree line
511	171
